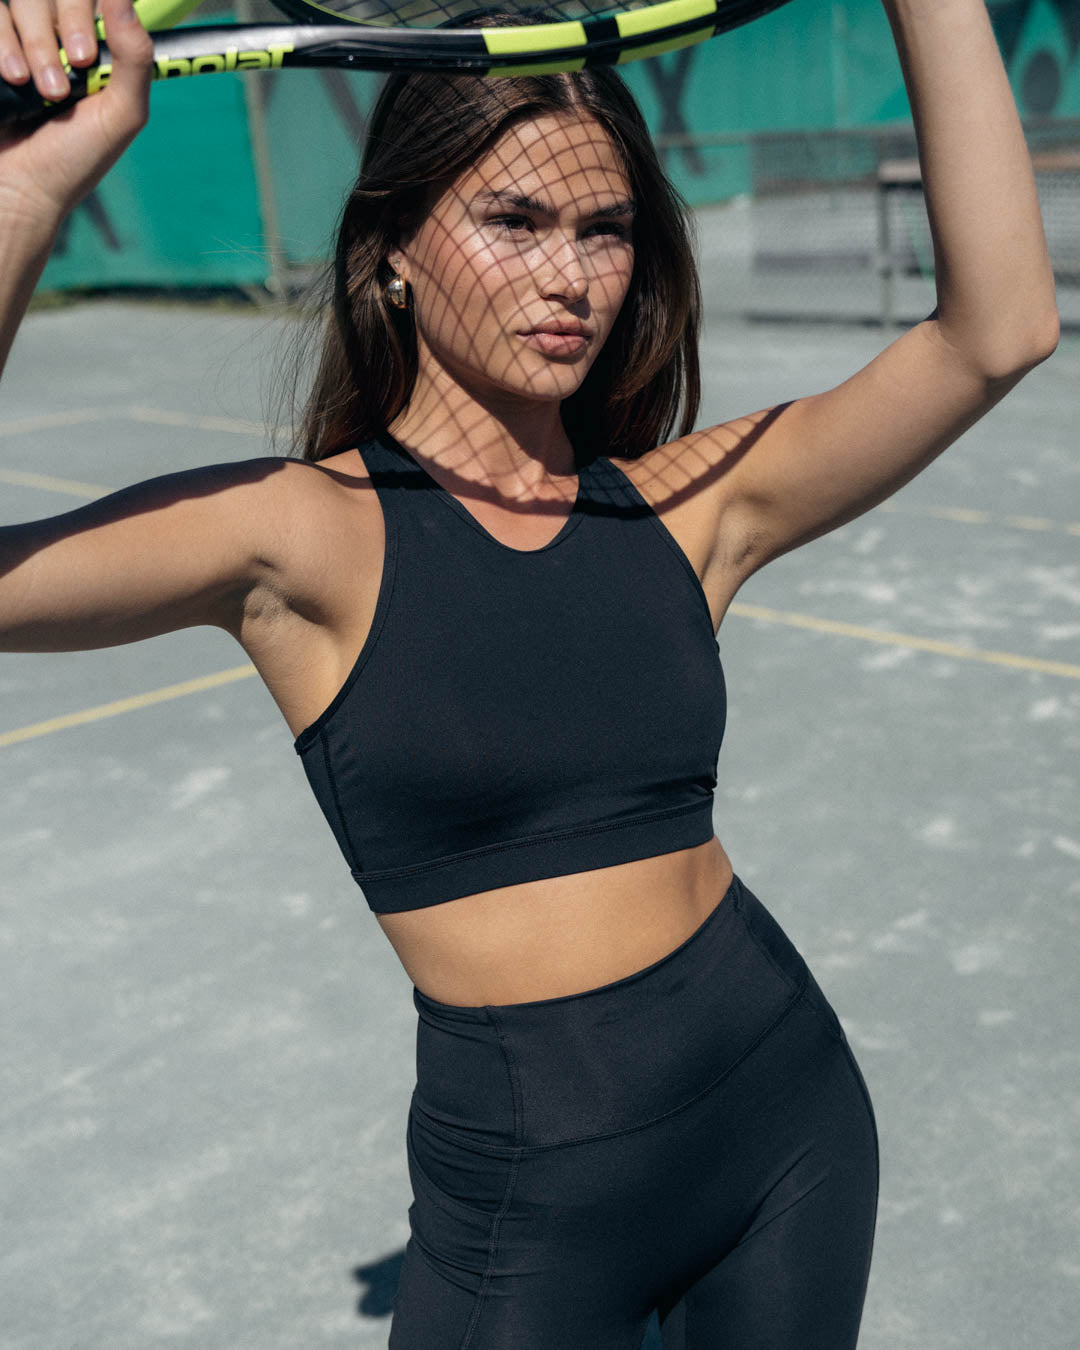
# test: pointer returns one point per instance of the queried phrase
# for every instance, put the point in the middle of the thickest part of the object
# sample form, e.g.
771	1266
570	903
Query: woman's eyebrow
623	207
626	206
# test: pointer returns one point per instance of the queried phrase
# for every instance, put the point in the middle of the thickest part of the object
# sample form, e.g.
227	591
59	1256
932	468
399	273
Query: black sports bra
515	715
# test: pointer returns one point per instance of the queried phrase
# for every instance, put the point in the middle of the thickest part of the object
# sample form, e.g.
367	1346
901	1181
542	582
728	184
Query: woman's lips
556	343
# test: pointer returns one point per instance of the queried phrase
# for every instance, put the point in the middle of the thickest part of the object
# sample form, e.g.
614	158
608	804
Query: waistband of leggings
610	1058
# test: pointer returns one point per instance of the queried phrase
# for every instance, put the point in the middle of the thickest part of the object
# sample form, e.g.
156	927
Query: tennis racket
403	35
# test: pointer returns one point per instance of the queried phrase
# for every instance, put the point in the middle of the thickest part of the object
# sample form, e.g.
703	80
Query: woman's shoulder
672	473
268	487
693	463
690	485
292	483
345	468
293	515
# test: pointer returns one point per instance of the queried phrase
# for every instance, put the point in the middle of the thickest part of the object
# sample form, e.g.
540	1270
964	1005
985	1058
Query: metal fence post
276	282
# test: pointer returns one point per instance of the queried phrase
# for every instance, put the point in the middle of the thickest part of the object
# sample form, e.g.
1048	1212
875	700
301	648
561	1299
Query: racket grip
21	105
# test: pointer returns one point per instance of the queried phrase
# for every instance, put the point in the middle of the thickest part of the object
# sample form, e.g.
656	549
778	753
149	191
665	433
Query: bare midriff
559	936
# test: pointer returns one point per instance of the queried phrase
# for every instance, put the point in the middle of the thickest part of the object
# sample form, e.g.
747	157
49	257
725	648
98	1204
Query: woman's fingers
35	24
132	51
13	67
75	20
49	169
32	32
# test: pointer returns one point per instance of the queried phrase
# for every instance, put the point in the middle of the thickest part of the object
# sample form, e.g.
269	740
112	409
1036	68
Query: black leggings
695	1139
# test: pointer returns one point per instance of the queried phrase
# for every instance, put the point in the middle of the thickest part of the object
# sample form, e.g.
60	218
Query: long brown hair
426	130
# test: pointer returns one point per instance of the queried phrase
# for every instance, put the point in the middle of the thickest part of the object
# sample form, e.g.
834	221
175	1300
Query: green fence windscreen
181	208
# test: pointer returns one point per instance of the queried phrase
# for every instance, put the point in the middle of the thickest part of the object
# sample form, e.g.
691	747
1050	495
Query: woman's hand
46	172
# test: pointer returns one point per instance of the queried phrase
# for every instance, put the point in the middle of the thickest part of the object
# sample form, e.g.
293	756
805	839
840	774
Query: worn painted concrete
206	1055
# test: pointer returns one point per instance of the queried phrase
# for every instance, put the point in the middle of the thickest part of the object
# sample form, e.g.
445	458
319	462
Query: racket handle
22	106
199	51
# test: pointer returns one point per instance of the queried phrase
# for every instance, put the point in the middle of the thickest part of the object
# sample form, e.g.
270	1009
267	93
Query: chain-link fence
835	224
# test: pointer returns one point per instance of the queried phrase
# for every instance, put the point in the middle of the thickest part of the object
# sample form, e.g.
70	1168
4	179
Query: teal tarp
181	208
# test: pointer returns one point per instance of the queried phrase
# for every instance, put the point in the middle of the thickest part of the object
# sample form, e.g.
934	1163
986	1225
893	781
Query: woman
632	1096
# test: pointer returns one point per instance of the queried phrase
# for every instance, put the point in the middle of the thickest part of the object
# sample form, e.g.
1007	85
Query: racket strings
450	13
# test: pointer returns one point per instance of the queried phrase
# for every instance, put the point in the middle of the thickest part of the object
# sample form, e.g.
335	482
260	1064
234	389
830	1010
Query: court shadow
379	1282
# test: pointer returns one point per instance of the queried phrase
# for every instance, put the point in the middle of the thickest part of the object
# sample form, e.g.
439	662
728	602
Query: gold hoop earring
397	293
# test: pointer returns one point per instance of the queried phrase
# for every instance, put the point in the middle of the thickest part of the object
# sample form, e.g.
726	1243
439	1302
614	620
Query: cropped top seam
382	608
331	778
665	534
530	841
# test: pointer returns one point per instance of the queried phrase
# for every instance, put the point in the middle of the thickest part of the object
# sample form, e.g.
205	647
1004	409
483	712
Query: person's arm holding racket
197	547
825	459
45	174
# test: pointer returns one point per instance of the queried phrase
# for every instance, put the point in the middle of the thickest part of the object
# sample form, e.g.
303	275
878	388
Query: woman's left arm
826	458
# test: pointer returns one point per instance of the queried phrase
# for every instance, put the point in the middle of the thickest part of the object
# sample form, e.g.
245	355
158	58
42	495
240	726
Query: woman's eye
608	229
513	224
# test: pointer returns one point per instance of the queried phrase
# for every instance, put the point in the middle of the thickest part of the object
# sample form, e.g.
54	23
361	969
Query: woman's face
519	271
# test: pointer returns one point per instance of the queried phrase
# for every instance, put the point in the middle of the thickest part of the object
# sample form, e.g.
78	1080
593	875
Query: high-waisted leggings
695	1140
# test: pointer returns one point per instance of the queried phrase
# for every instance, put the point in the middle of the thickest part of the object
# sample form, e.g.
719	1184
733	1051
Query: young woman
487	611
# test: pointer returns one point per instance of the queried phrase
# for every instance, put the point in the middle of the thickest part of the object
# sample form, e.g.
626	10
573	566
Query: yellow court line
162	417
1030	523
124	705
921	644
91	491
132	412
49	421
45	483
963	515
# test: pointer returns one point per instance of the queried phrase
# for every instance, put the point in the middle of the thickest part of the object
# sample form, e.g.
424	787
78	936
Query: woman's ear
398	262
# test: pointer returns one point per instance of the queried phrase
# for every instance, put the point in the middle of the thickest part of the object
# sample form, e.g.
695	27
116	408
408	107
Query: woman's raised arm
170	553
826	458
182	550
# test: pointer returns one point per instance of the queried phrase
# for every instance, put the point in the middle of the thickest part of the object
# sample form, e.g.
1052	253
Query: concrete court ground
206	1048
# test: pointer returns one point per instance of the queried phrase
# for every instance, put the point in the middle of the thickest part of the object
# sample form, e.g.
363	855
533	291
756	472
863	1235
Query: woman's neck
501	447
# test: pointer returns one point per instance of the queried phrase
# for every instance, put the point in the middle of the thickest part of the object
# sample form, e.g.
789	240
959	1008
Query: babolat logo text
171	68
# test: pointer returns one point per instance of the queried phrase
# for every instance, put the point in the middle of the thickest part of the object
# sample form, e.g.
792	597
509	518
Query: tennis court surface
207	1047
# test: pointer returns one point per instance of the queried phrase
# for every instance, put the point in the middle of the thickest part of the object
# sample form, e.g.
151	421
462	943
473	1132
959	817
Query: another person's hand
46	172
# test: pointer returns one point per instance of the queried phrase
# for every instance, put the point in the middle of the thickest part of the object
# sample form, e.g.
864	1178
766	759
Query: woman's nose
561	272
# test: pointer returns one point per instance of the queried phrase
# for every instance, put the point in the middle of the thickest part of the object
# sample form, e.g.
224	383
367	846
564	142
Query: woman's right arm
182	550
175	552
